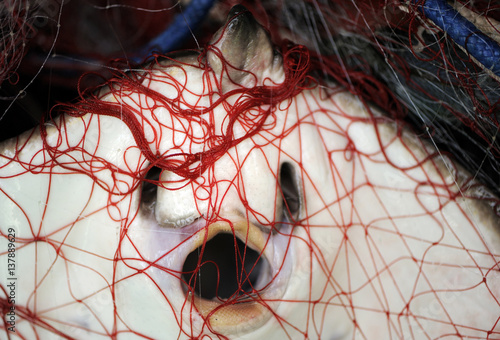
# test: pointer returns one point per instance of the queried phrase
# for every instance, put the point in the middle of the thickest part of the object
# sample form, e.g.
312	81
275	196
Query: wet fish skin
382	219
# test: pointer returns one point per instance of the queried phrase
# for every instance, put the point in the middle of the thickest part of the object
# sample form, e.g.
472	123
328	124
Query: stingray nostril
289	183
150	186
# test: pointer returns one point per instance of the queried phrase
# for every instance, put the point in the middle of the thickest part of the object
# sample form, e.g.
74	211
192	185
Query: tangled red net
249	190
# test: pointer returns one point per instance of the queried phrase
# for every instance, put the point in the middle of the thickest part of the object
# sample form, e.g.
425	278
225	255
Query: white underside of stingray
386	246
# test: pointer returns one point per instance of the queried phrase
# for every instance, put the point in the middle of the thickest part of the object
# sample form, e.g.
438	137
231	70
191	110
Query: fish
227	193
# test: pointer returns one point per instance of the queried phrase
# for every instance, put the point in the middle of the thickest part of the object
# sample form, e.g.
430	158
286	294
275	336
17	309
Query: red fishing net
337	183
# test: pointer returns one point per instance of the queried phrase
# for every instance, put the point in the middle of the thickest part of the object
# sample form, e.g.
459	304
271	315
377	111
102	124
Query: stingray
230	193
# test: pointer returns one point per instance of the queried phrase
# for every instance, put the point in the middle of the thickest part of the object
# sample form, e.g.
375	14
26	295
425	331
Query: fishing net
333	175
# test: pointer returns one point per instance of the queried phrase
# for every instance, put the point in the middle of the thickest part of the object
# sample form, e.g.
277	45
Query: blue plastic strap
180	28
484	49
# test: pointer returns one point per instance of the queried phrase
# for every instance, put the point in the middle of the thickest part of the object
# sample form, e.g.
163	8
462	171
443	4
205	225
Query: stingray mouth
224	269
231	275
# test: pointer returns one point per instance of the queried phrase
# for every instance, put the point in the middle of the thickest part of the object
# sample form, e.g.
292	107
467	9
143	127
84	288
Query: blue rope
464	33
179	30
